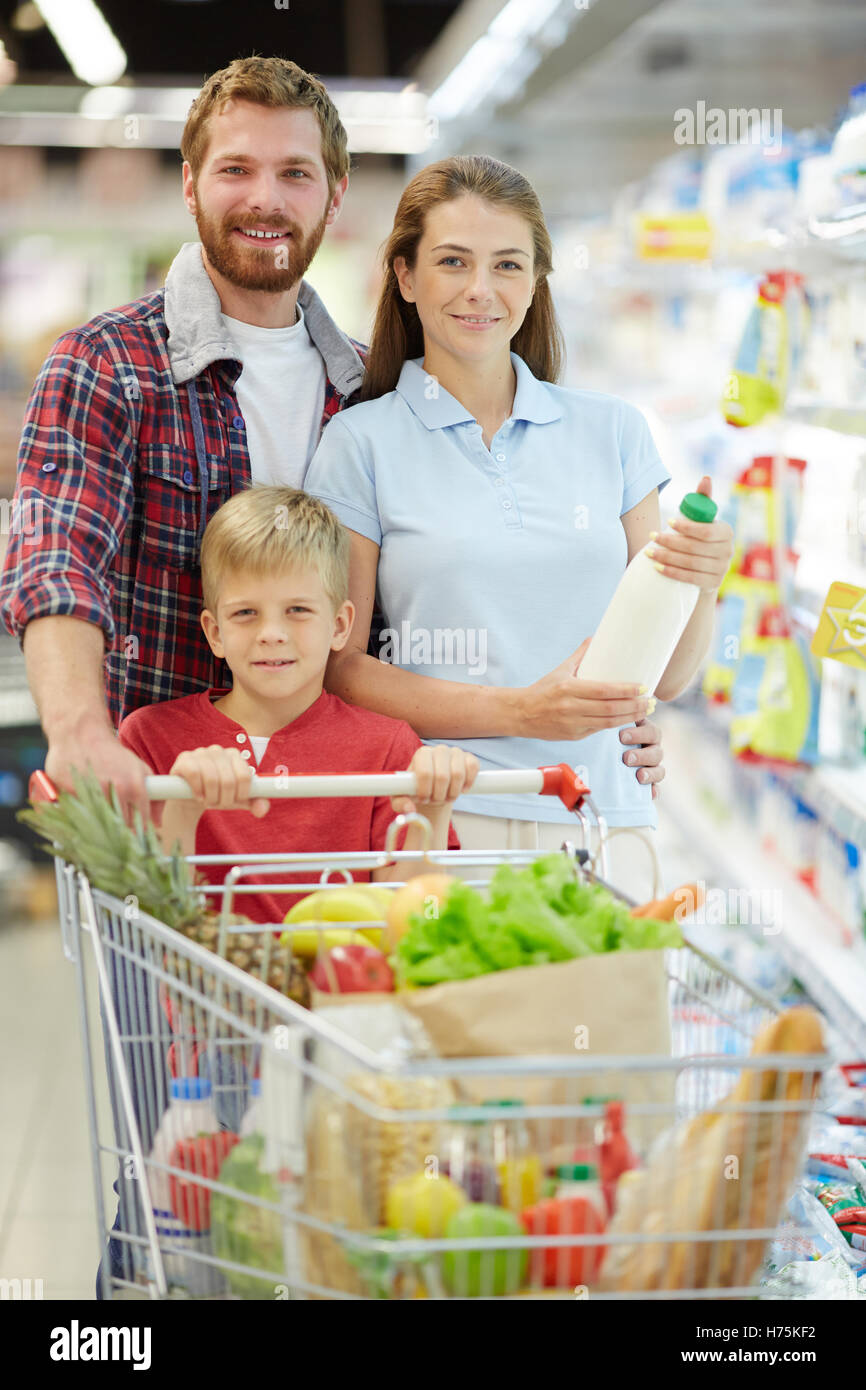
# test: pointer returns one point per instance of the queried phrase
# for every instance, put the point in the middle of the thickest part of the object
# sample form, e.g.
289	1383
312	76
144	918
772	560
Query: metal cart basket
288	1170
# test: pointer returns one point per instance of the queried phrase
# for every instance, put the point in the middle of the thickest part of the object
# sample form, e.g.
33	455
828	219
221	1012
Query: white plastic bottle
646	617
190	1112
252	1120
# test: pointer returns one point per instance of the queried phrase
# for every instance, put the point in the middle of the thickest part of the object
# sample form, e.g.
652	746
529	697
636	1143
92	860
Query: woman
493	512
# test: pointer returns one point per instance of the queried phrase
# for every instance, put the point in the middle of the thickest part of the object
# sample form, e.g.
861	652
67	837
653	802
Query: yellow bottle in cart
519	1170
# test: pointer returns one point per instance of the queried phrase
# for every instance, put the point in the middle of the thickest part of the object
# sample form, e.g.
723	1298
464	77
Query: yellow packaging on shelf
775	696
742	600
841	631
675	236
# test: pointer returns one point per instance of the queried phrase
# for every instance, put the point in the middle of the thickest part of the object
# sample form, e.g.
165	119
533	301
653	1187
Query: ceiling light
27	18
501	59
84	38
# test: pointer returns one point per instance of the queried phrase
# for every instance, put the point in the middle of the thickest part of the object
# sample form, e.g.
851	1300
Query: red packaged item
202	1156
615	1152
564	1266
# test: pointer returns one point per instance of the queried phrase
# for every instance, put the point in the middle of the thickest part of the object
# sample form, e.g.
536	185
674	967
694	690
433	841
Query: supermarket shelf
828	415
838	794
806	934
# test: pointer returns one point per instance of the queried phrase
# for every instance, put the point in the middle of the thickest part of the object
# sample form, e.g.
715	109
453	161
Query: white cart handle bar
560	780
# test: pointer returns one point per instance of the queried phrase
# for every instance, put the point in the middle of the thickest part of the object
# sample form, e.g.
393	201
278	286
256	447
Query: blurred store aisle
47	1209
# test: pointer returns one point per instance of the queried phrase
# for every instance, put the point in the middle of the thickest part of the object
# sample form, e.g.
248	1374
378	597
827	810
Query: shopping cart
298	1206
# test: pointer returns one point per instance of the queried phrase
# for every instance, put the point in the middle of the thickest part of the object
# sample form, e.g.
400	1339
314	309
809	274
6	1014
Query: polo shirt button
241	738
500	482
187	477
238	422
48	467
506	504
500	458
245	753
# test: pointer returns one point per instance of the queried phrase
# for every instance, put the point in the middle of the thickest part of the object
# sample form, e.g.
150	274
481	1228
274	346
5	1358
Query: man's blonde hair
268	530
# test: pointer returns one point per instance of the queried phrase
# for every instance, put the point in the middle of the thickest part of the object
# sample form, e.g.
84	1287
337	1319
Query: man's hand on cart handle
644	752
111	762
562	706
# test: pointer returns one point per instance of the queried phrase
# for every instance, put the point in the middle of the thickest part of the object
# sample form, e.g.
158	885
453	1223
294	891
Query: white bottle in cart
252	1120
646	617
190	1112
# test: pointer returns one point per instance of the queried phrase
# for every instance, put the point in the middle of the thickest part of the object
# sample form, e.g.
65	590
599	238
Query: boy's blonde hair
269	530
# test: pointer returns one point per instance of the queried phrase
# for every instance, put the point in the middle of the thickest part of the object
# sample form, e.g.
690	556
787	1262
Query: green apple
483	1273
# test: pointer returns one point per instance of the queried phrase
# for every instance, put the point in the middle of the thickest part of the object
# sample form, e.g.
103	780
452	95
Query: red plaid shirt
132	422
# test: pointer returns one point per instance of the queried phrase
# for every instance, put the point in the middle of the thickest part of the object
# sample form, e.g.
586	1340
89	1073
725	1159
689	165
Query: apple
479	1273
413	897
354	969
423	1203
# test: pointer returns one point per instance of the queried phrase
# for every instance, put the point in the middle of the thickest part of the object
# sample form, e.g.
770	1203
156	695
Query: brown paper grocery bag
596	1008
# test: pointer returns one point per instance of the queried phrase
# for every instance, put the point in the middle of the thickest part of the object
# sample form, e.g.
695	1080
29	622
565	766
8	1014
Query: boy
275	581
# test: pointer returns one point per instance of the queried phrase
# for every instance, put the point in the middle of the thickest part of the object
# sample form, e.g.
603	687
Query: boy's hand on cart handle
562	706
644	753
219	779
443	774
112	763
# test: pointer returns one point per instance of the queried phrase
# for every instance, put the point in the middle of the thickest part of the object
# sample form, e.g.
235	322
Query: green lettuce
533	916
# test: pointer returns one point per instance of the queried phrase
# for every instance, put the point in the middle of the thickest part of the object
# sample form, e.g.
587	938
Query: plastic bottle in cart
252	1121
581	1180
519	1169
646	617
615	1152
465	1151
190	1112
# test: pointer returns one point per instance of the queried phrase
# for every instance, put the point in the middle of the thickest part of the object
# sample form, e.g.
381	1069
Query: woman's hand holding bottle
561	706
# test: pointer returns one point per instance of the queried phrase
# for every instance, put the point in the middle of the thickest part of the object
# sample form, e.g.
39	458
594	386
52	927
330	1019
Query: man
145	420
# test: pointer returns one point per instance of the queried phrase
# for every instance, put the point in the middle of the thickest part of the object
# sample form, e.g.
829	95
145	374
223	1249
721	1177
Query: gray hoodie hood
197	334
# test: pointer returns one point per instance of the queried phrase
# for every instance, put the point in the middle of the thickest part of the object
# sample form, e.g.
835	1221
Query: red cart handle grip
563	781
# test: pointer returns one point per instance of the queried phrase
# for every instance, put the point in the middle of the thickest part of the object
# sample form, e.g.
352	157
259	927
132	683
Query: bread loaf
729	1169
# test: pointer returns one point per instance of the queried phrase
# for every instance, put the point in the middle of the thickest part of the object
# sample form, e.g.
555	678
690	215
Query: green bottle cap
576	1172
697	507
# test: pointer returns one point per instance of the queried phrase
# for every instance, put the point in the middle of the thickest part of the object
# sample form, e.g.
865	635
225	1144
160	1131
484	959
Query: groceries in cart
512	1119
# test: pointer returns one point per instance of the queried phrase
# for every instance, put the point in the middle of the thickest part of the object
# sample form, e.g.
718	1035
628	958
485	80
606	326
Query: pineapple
88	830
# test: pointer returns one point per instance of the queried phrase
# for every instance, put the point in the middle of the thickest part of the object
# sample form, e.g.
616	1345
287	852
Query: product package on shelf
763	511
769	355
775	696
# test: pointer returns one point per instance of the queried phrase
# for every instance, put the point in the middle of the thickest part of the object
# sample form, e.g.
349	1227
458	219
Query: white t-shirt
260	744
281	394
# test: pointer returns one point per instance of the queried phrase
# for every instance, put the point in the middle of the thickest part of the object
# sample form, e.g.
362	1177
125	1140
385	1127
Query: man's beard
270	268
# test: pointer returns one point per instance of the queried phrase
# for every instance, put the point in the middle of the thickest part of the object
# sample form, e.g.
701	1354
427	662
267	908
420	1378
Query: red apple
357	969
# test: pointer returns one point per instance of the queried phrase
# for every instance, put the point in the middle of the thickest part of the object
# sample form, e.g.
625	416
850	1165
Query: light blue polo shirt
495	564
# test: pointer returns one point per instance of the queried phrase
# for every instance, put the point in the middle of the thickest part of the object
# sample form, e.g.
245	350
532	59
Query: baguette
728	1169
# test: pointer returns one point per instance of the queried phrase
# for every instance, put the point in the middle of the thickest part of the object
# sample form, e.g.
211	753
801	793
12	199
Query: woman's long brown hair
397	333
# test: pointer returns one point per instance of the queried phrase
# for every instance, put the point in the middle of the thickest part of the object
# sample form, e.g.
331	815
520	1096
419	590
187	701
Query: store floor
48	1227
47	1207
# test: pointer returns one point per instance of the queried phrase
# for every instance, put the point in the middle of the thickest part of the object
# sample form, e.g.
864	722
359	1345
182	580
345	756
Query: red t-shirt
329	737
